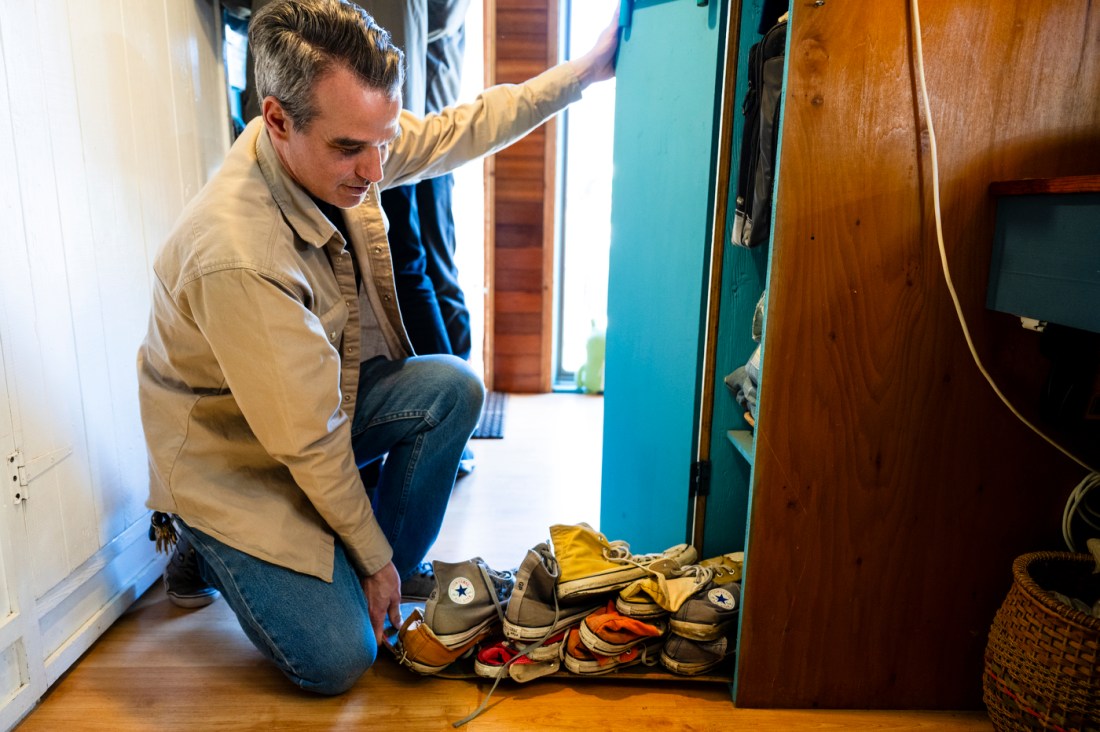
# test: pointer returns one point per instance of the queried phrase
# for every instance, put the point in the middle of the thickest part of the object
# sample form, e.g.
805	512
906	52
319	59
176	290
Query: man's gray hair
296	42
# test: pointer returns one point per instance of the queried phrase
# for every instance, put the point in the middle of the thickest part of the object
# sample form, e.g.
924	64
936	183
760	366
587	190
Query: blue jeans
421	412
422	244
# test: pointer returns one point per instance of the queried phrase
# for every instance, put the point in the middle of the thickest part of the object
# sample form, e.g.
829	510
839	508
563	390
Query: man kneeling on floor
276	362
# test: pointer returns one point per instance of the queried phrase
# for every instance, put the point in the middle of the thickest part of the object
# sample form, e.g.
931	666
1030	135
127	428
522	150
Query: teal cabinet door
667	103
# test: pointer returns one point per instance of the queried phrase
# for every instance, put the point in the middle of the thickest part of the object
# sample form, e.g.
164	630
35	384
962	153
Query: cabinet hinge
22	471
700	478
17	477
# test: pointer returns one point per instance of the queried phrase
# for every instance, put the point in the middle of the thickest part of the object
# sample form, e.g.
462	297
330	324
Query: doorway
584	202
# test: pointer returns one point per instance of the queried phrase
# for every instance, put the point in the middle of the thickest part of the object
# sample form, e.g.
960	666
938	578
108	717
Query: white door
22	671
111	117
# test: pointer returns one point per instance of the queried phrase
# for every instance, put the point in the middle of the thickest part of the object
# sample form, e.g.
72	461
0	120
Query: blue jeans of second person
422	244
421	412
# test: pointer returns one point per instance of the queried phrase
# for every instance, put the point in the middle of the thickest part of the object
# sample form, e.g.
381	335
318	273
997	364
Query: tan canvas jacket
247	376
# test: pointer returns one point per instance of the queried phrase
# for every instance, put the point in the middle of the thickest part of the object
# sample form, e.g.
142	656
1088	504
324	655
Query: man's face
342	150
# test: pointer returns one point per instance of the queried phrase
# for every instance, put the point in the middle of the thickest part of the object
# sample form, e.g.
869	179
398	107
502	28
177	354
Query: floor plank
162	668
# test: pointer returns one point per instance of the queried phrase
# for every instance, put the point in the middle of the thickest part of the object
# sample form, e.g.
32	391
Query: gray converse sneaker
534	612
708	614
689	657
183	582
468	597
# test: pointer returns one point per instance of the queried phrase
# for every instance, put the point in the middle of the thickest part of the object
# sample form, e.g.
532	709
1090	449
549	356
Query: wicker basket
1042	663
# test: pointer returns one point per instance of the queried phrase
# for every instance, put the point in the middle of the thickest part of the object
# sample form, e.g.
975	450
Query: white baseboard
81	608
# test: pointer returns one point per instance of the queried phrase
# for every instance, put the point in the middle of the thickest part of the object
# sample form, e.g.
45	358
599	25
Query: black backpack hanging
756	173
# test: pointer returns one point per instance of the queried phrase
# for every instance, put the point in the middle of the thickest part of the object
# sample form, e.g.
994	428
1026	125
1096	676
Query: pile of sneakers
578	601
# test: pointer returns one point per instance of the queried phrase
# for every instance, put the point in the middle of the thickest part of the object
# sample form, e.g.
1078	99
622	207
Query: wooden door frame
519	278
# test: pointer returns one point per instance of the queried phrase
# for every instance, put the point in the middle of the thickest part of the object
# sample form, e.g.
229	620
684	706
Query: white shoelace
548	560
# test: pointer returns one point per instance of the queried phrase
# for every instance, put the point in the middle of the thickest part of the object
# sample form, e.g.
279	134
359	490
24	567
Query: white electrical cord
1076	506
1093	476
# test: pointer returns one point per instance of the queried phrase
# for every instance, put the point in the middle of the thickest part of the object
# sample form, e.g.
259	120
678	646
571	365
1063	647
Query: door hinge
700	478
22	471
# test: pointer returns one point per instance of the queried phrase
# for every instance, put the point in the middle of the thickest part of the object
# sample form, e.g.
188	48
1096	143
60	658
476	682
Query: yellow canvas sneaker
590	564
657	595
727	567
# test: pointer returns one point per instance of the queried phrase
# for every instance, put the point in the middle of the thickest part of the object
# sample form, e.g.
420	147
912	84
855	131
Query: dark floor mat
491	426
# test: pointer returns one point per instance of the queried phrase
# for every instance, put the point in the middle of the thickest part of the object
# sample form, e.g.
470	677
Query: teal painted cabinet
667	107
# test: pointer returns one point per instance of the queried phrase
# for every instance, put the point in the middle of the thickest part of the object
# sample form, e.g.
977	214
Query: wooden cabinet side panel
892	487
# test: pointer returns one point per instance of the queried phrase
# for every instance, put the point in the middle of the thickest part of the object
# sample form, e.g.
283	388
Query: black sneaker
418	585
183	582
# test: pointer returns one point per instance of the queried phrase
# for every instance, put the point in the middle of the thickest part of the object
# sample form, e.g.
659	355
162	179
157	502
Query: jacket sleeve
438	143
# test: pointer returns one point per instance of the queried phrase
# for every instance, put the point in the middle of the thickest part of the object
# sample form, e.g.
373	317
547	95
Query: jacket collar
298	208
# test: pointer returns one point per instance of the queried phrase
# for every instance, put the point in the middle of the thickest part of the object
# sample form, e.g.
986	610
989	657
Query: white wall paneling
112	116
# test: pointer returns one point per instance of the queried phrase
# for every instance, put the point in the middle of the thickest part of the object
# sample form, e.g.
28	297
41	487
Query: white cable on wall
1076	506
1093	478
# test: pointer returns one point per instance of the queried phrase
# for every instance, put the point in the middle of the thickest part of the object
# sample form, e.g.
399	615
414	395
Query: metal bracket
15	477
700	478
21	472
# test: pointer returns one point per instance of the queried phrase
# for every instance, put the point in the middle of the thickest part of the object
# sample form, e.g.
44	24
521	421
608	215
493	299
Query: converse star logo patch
461	591
722	598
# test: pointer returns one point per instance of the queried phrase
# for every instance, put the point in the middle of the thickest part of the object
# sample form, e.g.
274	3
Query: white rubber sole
687	669
701	631
599	645
529	633
454	640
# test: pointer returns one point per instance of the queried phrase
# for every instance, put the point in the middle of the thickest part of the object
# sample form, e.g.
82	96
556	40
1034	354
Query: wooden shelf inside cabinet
742	440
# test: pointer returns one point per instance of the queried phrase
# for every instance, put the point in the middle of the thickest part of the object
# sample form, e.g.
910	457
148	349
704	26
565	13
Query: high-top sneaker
727	567
420	649
708	614
534	612
609	632
582	660
468	597
592	565
691	657
657	596
505	658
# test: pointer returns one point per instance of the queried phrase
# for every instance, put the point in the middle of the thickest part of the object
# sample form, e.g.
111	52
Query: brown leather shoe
420	649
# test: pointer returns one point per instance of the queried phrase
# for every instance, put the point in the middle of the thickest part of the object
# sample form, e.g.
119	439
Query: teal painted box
1046	258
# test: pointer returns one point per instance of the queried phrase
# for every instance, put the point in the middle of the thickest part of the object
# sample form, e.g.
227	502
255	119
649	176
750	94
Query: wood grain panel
519	215
519	236
524	324
892	488
522	221
515	167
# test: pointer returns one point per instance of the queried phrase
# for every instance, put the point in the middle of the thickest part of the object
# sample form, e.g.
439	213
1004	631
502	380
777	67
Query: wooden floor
161	668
